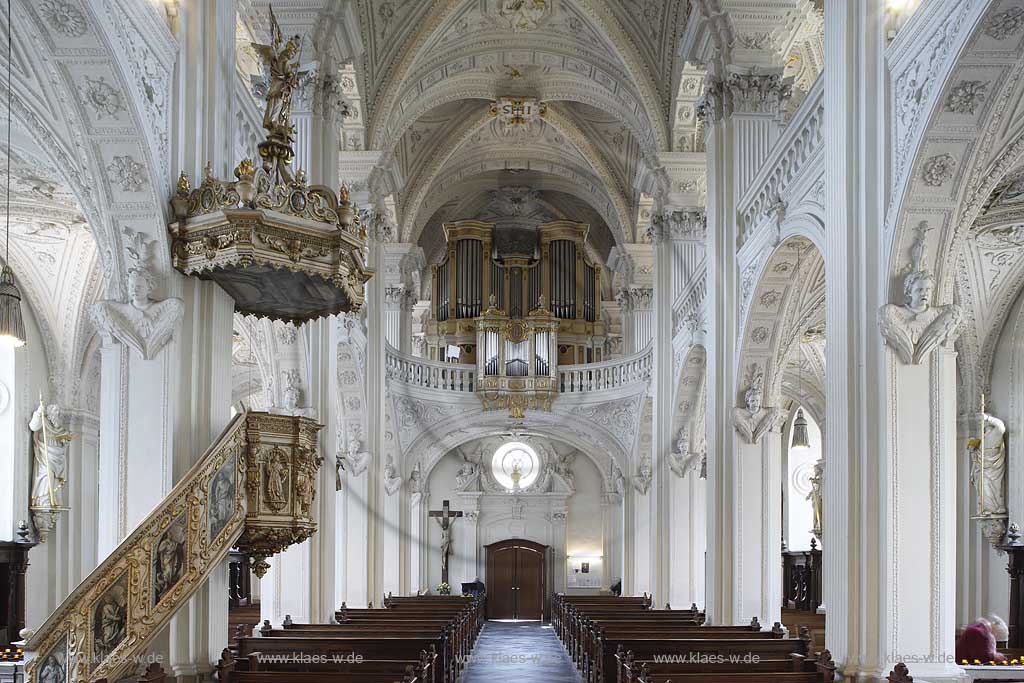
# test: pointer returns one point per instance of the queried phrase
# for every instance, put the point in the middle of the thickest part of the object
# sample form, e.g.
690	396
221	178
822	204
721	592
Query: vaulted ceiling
606	72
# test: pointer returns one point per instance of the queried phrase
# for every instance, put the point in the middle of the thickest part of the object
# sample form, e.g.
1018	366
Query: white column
687	540
418	541
612	537
742	124
757	509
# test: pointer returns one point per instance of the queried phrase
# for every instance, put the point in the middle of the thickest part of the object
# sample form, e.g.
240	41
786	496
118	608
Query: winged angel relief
915	328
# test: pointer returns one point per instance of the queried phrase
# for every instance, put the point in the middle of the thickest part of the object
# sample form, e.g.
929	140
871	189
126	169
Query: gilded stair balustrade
253	489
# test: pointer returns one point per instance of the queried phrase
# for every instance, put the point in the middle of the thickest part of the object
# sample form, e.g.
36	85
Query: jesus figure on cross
445	517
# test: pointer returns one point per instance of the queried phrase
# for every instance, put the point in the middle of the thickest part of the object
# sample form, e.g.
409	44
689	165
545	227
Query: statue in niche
915	328
277	479
50	439
988	466
143	324
467	476
754	419
817	482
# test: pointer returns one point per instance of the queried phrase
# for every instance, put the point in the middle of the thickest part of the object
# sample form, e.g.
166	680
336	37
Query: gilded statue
280	59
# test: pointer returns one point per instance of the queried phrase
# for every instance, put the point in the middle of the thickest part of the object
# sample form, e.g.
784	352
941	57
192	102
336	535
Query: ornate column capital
635	298
400	297
679	224
744	90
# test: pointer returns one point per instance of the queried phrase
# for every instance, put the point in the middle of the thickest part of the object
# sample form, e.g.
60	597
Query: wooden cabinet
516	579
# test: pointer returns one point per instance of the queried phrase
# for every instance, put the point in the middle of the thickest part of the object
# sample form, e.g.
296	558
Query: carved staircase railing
252	489
608	374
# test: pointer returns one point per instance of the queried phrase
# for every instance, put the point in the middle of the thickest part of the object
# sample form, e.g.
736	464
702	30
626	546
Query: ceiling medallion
524	15
518	114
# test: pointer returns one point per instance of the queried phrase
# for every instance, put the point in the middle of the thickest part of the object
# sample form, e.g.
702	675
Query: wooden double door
516	579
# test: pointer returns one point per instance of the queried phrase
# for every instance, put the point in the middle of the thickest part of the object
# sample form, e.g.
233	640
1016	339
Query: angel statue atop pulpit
280	59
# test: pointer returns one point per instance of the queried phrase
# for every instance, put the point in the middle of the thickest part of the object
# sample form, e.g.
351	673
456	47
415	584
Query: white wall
800	469
581	534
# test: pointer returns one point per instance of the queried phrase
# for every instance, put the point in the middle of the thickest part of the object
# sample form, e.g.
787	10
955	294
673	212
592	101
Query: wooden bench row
620	640
412	640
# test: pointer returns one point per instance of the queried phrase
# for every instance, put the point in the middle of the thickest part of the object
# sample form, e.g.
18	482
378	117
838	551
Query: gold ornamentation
184	186
246	170
114	615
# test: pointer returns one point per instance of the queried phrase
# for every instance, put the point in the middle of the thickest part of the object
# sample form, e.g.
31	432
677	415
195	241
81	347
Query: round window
515	465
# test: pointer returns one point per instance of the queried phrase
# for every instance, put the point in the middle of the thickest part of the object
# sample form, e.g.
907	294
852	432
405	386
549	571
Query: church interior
454	341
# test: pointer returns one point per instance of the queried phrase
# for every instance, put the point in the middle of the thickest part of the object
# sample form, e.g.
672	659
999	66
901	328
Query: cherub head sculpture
917	290
140	286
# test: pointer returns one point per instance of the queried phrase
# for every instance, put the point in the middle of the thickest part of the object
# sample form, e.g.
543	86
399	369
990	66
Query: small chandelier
800	438
12	326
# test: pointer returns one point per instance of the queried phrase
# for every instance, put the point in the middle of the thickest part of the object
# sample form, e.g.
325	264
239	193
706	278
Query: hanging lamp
800	438
12	326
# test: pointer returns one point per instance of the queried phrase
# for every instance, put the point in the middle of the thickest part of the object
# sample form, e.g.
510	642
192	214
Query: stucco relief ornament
143	324
63	17
416	479
524	15
392	482
754	419
915	328
938	169
1002	25
468	477
965	97
356	458
127	173
104	99
681	462
643	476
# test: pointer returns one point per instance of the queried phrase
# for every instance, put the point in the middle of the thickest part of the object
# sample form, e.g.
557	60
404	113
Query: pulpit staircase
253	489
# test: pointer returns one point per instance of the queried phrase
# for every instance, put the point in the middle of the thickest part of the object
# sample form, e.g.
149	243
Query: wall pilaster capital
679	224
744	90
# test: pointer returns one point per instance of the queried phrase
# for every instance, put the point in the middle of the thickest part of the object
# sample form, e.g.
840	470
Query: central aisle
524	652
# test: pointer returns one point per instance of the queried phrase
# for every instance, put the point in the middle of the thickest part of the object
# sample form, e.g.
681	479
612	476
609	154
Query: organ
517	300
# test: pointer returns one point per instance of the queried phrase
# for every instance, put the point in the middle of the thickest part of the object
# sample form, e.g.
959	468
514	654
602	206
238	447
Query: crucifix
445	517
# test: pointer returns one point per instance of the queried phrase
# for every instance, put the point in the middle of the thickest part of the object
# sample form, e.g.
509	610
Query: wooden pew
231	670
794	669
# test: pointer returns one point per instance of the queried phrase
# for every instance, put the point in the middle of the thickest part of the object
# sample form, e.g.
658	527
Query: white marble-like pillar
418	541
757	508
612	535
688	541
742	116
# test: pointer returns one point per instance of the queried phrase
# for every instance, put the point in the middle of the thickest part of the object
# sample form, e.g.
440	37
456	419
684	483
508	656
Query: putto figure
143	324
915	328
